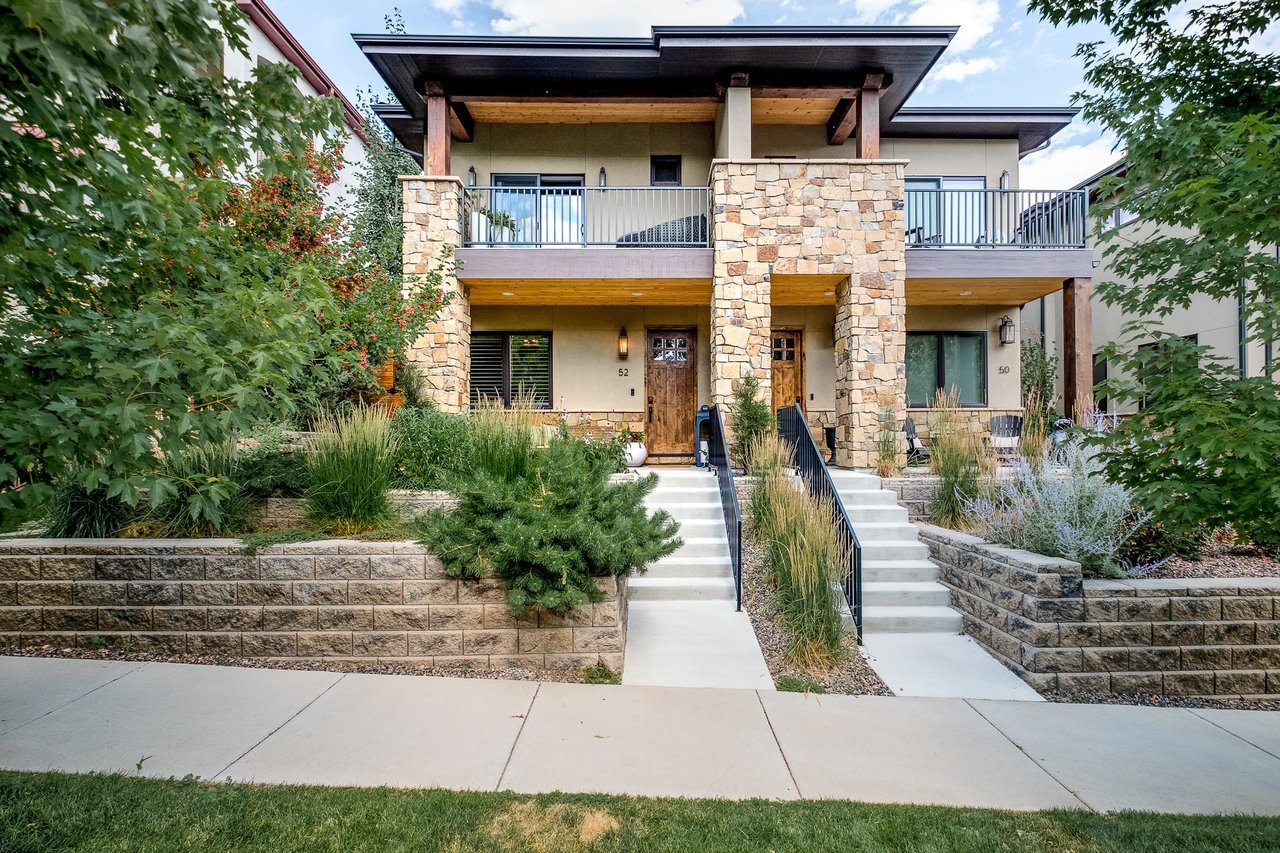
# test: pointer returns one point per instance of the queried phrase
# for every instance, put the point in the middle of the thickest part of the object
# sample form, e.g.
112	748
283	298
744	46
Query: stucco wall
584	349
581	149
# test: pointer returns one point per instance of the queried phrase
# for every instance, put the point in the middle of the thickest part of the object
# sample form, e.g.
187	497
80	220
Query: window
664	170
946	211
510	366
946	360
1118	218
1102	404
538	209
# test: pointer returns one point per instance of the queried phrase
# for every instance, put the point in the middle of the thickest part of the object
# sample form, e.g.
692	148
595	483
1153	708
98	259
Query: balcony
992	218
625	217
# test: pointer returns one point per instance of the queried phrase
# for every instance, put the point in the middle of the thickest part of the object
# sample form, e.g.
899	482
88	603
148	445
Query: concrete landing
692	644
942	665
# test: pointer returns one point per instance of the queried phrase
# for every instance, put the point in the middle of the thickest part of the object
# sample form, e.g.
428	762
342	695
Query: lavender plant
1070	511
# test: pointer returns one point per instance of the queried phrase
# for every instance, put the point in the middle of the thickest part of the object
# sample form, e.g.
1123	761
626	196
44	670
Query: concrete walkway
408	731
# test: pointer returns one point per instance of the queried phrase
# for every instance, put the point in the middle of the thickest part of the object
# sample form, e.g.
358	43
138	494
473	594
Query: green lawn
50	811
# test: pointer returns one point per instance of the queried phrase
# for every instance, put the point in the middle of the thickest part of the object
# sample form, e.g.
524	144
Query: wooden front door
788	367
671	389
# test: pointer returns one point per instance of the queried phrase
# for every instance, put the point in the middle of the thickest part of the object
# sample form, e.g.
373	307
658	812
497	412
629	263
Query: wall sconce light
1004	180
624	343
1006	330
471	176
602	177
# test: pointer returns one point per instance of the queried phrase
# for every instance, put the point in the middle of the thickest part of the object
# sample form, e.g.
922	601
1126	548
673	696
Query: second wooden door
787	361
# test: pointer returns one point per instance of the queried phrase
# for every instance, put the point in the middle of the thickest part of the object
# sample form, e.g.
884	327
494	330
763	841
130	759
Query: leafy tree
130	321
1192	99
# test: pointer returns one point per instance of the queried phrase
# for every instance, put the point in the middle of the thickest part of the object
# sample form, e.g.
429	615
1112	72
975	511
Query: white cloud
1062	166
578	18
977	19
867	11
449	7
960	69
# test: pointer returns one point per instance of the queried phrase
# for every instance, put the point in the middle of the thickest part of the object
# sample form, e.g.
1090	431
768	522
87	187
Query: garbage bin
701	428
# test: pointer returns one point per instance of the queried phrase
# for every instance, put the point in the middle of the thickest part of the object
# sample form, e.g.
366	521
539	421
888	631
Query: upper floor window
1119	218
664	170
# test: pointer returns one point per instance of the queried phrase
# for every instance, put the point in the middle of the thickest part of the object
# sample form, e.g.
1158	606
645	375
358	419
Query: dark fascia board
1031	126
407	129
673	61
1088	183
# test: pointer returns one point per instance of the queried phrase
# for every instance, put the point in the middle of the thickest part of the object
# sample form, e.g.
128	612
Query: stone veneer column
740	303
432	225
821	218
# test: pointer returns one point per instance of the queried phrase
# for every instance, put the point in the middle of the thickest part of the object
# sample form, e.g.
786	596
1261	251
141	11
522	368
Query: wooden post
438	134
1077	346
868	118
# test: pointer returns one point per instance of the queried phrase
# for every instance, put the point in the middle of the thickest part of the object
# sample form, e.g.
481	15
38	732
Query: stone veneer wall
839	219
1040	618
386	601
280	513
976	420
432	226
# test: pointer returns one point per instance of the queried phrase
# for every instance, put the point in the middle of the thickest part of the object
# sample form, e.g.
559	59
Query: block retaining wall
338	599
1037	615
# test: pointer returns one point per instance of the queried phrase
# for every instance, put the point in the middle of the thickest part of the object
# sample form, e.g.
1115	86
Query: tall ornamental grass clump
502	440
804	558
351	471
203	495
80	512
957	458
1071	512
433	448
887	442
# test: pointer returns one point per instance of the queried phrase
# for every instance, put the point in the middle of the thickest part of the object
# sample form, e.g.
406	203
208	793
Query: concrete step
855	479
680	589
887	531
876	514
682	567
893	549
904	594
709	546
685	511
910	620
878	498
895	571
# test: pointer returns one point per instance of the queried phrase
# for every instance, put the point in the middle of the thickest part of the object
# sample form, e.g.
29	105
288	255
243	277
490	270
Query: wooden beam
583	99
804	92
868	120
1077	346
842	120
462	127
436	148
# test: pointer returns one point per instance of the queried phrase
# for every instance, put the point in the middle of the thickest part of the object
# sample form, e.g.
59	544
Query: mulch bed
1221	561
310	665
1156	701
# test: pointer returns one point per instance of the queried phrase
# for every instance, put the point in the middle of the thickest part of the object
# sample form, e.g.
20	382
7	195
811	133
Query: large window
511	366
946	360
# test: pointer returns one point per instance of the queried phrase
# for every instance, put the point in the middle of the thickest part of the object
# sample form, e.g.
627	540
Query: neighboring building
1213	323
643	221
271	41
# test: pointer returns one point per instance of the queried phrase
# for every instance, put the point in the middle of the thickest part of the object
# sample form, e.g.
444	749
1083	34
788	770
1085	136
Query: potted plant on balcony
634	452
484	224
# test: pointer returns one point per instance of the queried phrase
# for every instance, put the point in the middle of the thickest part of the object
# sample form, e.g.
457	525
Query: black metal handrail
718	458
794	429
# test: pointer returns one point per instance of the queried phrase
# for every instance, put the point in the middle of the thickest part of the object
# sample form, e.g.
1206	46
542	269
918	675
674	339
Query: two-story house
642	222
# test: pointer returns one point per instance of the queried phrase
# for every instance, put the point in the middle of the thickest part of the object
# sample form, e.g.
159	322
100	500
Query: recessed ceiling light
637	293
966	293
828	293
508	293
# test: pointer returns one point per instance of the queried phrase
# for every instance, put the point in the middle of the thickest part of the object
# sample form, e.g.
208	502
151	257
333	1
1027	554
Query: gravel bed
573	676
853	675
1221	561
1156	701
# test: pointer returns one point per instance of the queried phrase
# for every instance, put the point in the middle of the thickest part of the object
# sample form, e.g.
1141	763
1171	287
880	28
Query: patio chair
1006	433
917	453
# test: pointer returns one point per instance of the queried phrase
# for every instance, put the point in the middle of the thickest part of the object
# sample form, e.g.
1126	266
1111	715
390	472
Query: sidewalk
407	731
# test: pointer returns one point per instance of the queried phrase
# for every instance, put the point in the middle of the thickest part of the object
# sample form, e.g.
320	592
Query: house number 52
624	371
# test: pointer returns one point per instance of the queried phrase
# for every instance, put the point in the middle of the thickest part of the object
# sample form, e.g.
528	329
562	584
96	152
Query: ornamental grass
351	470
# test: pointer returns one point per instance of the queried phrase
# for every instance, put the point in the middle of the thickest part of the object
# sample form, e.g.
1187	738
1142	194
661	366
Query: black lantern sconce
1006	330
602	177
624	343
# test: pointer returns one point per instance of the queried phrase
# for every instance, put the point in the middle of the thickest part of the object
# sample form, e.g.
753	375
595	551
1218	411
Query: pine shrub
752	417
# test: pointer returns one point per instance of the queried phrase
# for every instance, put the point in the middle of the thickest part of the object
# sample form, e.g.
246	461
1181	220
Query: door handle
651	408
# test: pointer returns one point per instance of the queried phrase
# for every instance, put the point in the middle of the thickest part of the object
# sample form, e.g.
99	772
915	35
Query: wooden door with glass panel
671	390
787	361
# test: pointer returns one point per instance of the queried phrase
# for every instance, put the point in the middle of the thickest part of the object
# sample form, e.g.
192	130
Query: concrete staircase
682	629
900	588
701	570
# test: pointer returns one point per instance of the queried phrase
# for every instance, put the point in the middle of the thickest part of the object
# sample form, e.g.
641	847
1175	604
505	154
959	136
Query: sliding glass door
539	209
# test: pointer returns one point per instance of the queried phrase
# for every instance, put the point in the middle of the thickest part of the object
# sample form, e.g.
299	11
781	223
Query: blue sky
1002	56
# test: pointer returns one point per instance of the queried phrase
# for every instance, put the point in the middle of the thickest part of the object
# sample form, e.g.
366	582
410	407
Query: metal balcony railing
1045	219
586	216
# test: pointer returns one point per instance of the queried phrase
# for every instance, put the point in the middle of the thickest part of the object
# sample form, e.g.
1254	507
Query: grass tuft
351	470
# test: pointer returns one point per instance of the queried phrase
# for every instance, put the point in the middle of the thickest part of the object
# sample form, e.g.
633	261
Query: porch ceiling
580	291
1005	291
804	289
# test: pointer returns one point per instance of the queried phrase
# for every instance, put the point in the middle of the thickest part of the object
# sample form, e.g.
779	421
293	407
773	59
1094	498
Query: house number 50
1004	368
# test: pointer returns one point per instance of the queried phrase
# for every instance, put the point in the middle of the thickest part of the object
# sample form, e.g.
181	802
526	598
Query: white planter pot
634	454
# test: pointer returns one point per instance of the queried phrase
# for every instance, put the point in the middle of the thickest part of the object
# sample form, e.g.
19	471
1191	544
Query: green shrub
266	468
600	674
887	443
350	471
550	533
432	448
76	512
201	496
956	458
1150	542
752	417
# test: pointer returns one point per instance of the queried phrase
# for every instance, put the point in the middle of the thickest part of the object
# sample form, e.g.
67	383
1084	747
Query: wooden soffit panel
1005	291
580	291
792	110
672	111
804	289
